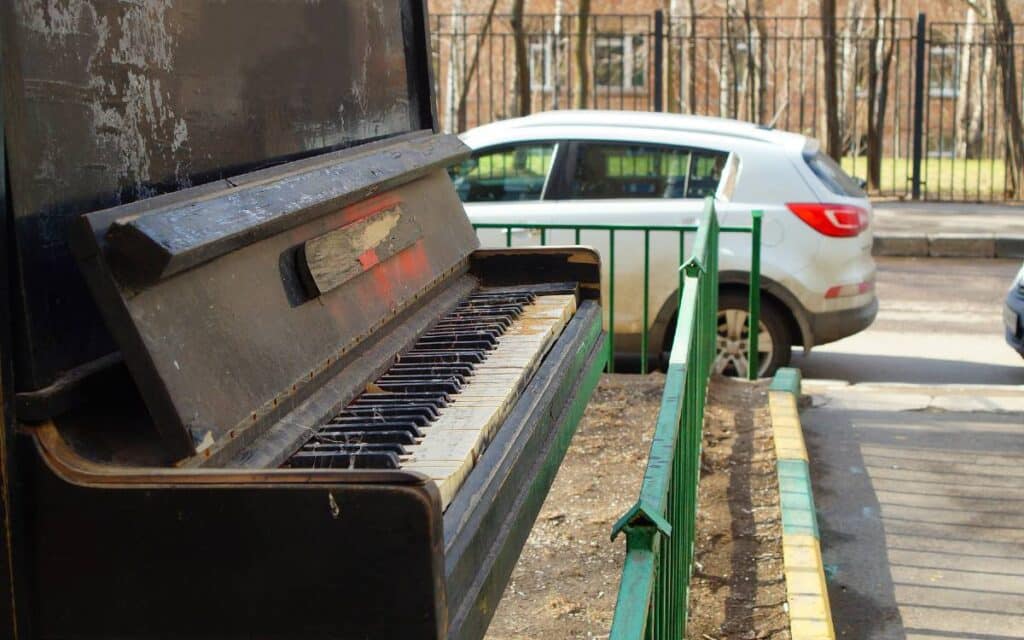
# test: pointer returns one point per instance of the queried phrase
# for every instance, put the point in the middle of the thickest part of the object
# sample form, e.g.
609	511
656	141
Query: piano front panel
233	343
166	553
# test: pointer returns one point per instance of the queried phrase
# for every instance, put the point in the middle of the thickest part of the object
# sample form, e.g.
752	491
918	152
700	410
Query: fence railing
660	527
610	276
947	141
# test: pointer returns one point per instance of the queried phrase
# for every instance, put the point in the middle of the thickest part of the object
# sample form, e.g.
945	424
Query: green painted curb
796	498
786	379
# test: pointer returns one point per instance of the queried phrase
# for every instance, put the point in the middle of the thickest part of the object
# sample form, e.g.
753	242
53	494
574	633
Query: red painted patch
360	210
369	258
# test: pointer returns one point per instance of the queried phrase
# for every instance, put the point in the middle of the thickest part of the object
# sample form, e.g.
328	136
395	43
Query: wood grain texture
338	256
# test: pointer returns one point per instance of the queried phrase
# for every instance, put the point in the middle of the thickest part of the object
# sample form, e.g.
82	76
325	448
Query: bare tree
1006	64
833	140
974	87
757	60
581	69
849	63
521	97
556	52
453	81
691	56
474	64
879	63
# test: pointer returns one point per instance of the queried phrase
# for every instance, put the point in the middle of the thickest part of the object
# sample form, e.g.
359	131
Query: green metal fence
660	527
681	230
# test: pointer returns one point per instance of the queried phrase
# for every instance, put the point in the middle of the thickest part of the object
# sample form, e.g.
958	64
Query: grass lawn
943	178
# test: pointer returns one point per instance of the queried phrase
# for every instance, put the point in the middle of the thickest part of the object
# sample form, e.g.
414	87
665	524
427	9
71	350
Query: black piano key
353	436
332	447
355	427
420	377
325	460
437	398
394	414
447	345
367	408
443	357
470	336
443	385
463	370
373	429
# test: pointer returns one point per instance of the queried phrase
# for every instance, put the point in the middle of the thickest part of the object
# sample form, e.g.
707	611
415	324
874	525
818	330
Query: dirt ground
738	590
567	578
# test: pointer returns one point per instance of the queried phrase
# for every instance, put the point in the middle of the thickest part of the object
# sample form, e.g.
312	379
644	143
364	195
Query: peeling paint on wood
338	256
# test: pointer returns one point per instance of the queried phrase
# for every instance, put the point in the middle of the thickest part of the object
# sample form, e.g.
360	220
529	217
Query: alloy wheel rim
732	342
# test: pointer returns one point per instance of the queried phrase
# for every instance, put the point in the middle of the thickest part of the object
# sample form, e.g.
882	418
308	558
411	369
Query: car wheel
775	345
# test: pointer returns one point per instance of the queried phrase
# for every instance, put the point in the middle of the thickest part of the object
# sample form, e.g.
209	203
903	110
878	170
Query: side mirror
861	182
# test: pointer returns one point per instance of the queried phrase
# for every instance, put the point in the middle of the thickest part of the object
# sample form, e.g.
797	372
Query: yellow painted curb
810	615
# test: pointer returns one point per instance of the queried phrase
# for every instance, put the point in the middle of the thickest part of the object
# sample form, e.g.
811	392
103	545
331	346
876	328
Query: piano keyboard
436	408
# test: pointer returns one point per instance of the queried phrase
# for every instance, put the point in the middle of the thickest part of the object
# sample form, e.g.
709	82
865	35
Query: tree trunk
879	64
691	56
522	64
474	64
453	83
673	80
964	93
1006	64
581	70
556	52
982	95
762	61
833	140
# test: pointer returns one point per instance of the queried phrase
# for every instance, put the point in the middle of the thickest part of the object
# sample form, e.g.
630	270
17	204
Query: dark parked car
1013	313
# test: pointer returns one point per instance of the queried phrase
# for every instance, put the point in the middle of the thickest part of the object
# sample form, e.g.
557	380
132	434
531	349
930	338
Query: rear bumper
834	325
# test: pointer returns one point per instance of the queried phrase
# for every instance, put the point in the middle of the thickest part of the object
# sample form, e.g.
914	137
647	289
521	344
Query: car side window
504	174
623	170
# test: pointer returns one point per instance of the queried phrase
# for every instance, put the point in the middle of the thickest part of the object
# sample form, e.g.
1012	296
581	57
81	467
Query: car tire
733	329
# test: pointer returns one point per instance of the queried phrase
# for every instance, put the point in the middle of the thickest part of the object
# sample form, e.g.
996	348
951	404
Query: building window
943	71
620	61
541	63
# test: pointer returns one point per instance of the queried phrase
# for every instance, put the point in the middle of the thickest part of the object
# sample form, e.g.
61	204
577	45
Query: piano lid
110	102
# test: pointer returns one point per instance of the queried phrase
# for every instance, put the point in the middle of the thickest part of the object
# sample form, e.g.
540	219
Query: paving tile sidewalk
948	229
921	508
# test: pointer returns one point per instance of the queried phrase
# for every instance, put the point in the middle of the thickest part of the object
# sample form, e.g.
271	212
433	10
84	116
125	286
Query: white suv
605	167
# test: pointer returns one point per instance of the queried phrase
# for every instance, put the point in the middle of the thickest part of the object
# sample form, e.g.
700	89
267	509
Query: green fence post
611	301
647	278
754	318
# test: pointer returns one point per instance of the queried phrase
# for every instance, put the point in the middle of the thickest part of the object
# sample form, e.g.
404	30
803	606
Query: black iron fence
949	139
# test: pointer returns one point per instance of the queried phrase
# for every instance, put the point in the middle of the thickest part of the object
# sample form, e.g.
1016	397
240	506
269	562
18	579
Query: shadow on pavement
922	518
855	367
860	587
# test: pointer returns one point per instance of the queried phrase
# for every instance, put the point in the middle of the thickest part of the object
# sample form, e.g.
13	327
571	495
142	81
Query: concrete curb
810	616
948	245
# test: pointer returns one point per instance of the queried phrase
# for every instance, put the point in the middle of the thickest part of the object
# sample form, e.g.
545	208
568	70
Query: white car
608	167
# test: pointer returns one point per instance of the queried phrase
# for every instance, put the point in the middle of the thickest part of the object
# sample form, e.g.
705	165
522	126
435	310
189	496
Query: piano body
258	382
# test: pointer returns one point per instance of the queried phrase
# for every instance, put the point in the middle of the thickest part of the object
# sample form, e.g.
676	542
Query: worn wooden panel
336	257
109	102
222	351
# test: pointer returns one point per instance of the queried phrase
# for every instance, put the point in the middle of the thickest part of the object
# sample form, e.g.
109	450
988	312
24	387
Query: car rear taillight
833	220
846	290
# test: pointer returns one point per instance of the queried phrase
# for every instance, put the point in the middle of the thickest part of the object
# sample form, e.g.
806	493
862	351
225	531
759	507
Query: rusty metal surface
109	102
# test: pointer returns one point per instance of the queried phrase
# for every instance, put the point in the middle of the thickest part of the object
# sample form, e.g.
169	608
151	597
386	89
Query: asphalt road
915	431
939	322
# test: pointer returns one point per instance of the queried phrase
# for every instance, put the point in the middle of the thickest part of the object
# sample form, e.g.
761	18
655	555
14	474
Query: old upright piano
257	379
